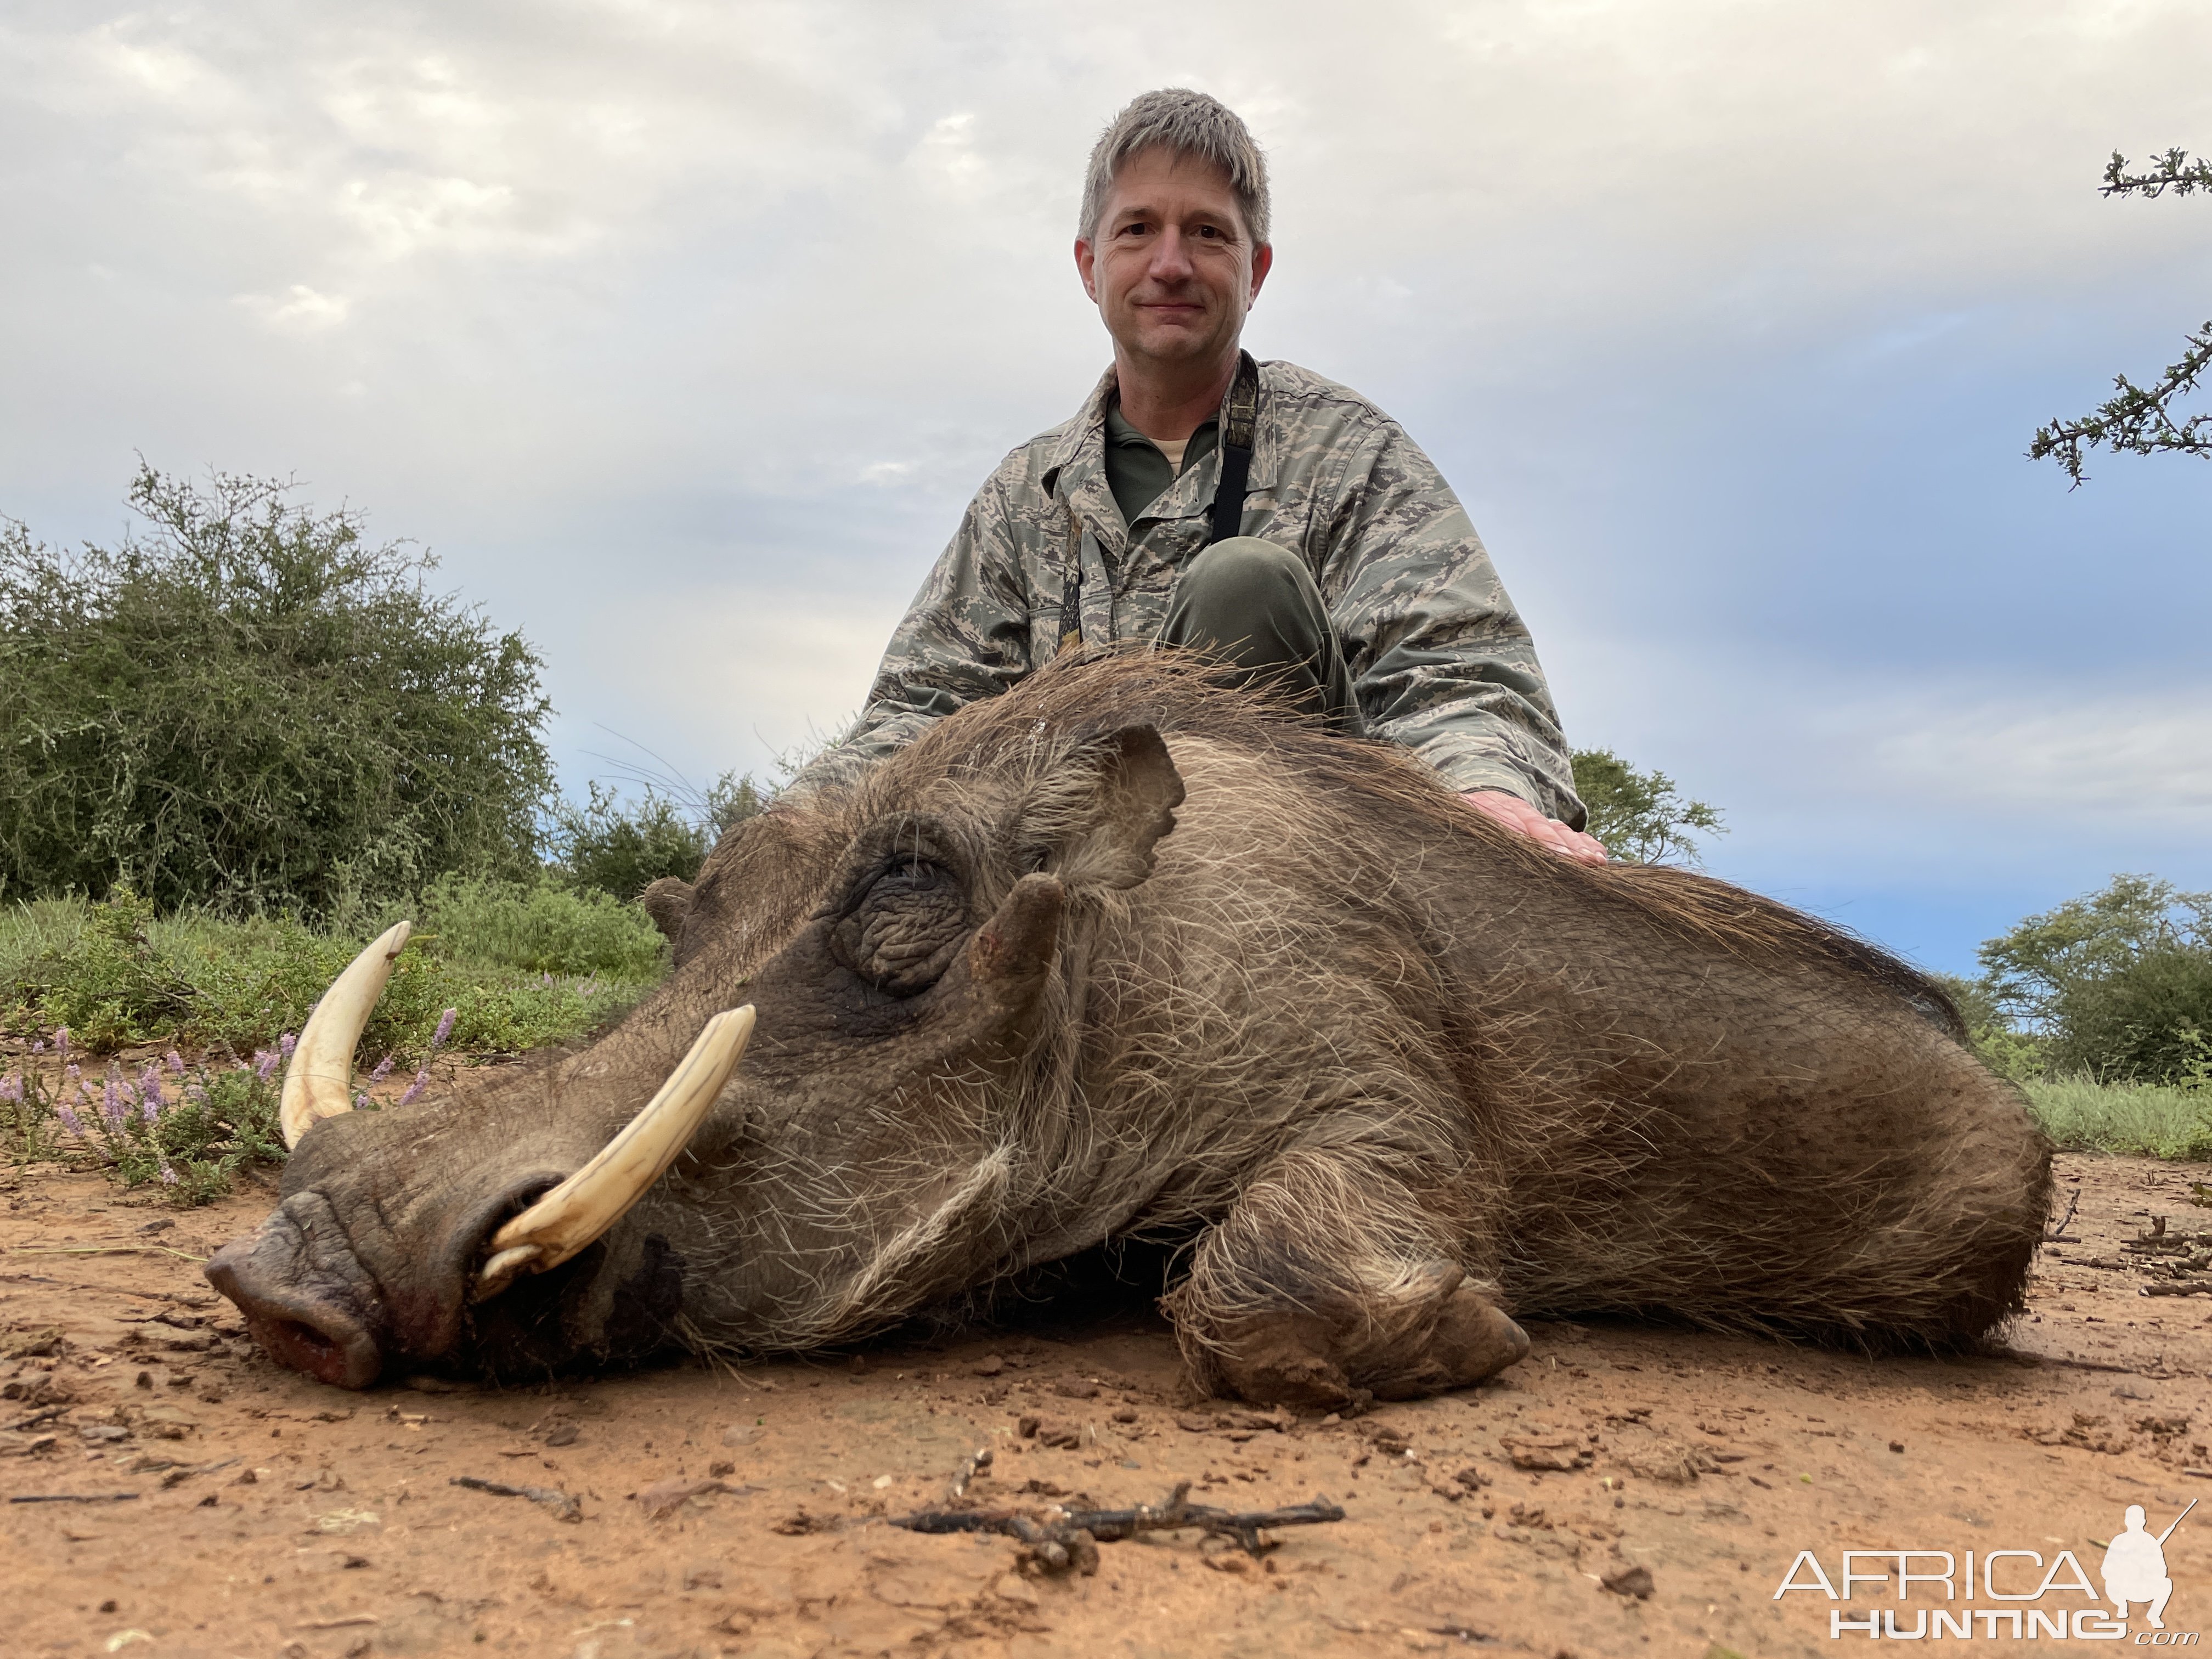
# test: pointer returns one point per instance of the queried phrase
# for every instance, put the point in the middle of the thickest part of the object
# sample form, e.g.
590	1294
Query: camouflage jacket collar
1077	471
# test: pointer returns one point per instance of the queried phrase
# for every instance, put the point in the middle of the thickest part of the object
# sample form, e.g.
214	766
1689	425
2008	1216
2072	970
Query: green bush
2004	1049
238	984
543	927
1641	817
2117	984
248	707
621	849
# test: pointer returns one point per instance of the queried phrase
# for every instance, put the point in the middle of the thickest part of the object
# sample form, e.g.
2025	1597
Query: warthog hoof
1297	1359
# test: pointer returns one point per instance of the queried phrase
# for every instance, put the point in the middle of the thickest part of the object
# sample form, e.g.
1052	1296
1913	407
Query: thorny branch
1061	1540
2137	420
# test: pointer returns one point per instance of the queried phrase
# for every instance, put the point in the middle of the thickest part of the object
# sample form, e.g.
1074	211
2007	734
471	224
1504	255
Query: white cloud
299	310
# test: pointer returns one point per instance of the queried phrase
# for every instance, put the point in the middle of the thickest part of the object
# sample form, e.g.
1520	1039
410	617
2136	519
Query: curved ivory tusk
589	1202
319	1083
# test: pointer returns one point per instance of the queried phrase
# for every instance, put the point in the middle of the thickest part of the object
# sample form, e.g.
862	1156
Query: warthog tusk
589	1202
319	1083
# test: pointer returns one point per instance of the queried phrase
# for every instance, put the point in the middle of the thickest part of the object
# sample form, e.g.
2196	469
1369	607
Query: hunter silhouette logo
2134	1566
1999	1594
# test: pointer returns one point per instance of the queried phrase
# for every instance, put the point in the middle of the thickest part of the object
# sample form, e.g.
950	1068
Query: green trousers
1255	607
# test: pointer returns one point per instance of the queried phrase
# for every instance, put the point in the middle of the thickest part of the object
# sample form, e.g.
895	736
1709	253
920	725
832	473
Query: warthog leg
1329	1284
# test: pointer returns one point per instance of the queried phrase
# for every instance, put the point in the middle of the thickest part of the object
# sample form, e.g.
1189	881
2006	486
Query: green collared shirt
1138	471
1440	661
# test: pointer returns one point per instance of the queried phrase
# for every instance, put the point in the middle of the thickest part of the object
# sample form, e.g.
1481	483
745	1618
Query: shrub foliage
247	705
610	846
1641	817
2117	984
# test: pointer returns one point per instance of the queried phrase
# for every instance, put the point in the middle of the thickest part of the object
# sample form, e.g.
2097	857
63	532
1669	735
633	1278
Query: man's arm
966	636
1441	662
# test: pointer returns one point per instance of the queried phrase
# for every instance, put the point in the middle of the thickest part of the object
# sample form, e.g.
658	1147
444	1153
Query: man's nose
1170	260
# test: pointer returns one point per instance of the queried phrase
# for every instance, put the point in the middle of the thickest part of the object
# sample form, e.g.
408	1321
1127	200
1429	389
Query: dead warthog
1116	956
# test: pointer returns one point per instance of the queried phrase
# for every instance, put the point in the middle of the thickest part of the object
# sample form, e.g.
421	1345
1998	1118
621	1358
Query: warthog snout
307	1298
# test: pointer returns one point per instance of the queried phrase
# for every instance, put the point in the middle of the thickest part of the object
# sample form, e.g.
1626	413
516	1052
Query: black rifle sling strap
1240	421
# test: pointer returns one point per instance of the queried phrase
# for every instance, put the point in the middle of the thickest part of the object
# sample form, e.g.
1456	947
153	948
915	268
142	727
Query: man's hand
1516	814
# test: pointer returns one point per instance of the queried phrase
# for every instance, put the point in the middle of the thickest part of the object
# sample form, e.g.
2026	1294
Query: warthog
1115	956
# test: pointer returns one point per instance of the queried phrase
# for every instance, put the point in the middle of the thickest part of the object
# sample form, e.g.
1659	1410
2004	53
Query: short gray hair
1188	124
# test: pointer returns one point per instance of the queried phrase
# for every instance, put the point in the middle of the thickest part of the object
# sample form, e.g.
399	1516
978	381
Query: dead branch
73	1498
2057	1235
1058	1540
564	1507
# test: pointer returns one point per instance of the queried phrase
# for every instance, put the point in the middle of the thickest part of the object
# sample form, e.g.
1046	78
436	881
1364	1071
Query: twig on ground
73	1498
564	1507
2057	1235
1058	1540
971	1465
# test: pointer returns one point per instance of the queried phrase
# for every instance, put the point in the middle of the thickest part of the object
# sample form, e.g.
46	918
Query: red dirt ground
268	1515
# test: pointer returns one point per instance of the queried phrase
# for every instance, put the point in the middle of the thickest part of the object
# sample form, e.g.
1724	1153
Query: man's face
1171	267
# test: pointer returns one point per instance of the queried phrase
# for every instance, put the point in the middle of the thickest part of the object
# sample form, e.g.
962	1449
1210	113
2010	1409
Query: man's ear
1095	822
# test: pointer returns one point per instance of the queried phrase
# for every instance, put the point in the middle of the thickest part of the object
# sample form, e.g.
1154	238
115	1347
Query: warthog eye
903	934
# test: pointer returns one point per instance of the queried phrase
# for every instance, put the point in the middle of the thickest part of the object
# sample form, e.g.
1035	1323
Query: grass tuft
2143	1120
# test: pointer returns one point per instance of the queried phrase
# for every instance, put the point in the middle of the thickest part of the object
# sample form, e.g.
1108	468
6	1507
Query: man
1256	511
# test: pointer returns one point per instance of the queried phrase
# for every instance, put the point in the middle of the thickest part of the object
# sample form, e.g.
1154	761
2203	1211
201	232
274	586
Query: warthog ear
668	901
1095	822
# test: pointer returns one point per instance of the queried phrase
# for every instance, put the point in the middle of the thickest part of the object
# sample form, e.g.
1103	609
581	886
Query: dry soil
218	1505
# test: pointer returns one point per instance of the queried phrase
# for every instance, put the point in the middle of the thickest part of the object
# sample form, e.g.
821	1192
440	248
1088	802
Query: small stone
1075	1388
108	1606
719	1469
145	1380
563	1435
1630	1578
1126	1414
1012	1587
1897	1445
743	1434
1028	1423
989	1365
703	1579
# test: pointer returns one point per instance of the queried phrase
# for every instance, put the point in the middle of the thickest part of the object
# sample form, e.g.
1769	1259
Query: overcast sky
682	333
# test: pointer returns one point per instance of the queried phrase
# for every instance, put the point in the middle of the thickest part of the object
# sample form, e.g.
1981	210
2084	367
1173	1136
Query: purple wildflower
444	1028
150	1102
383	1070
176	1062
168	1175
113	1110
61	1041
74	1074
11	1088
71	1121
361	1101
415	1089
284	1044
38	1045
264	1063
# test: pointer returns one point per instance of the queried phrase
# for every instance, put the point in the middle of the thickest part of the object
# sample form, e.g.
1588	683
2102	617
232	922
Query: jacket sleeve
966	636
1441	662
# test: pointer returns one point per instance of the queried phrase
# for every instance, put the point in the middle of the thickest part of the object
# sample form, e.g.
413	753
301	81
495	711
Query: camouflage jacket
1440	661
